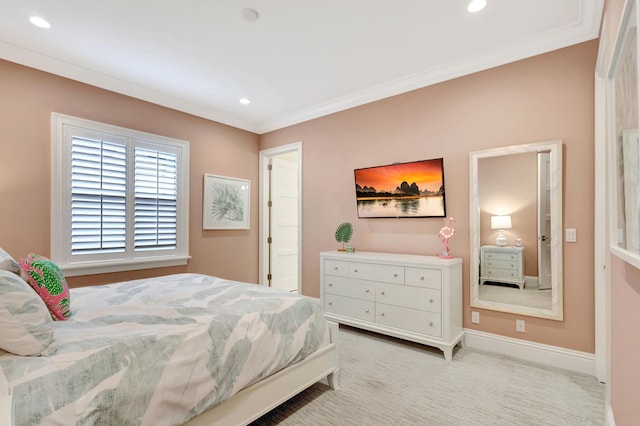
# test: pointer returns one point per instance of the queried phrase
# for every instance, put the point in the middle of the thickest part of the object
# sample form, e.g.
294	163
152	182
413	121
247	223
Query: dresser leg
333	380
448	354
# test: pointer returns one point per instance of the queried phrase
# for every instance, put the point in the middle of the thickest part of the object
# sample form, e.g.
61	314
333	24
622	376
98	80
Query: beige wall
625	342
28	97
538	99
624	303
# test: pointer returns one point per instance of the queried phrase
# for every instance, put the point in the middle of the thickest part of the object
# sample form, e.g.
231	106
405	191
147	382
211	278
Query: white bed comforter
160	351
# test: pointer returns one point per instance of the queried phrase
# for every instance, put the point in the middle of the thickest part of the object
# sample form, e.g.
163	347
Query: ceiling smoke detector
249	15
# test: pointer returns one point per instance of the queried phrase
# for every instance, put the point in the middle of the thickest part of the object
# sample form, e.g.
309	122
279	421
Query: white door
544	222
284	222
281	217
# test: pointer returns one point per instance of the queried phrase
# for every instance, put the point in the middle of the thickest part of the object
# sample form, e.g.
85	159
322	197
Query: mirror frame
555	181
630	16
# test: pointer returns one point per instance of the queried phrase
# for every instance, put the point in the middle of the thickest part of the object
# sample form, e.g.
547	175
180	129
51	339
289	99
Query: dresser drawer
500	273
348	307
414	320
409	297
423	277
349	287
336	267
492	255
502	264
371	272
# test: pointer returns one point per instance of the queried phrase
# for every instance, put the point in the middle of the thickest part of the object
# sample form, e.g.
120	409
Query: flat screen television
412	189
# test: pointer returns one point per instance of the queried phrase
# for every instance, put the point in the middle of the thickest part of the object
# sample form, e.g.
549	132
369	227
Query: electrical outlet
520	326
570	235
475	317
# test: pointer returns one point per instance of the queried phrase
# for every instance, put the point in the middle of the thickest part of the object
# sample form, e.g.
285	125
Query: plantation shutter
98	196
155	211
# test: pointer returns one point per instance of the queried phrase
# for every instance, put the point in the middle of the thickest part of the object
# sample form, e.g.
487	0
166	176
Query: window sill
104	267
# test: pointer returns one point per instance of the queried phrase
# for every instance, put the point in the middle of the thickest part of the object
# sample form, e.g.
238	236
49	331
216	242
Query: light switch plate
570	235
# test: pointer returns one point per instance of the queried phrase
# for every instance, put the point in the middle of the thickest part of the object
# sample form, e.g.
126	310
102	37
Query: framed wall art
225	203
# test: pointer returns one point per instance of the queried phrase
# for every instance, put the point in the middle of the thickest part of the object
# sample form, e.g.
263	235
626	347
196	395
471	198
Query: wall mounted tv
413	189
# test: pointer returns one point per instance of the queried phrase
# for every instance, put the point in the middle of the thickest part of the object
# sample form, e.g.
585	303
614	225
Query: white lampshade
500	223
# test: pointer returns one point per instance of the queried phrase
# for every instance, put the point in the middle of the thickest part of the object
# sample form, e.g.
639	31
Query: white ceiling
300	60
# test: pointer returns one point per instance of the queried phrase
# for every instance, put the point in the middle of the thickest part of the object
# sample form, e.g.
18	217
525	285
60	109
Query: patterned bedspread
160	351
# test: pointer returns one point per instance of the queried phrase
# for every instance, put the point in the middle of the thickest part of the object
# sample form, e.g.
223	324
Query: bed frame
261	397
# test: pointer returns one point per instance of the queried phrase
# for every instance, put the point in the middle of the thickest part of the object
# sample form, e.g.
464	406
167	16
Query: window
119	198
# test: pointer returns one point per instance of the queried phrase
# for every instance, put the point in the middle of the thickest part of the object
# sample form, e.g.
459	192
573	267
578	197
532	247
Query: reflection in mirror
627	234
516	239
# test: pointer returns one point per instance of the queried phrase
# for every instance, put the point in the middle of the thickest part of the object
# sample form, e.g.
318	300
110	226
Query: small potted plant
343	234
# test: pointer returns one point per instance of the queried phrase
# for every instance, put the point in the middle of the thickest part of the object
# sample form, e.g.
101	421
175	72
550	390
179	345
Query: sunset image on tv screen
414	189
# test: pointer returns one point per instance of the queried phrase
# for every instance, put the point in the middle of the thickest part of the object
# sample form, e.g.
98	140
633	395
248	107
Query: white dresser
502	264
417	298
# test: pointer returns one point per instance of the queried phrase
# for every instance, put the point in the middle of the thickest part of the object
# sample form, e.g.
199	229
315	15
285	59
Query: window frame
130	259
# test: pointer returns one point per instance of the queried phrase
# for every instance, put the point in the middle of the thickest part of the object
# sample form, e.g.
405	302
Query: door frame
602	219
544	222
265	156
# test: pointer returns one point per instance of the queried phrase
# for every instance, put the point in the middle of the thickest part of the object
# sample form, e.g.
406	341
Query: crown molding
39	61
585	29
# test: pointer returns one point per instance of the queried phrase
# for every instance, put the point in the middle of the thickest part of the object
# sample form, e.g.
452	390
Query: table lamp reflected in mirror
501	223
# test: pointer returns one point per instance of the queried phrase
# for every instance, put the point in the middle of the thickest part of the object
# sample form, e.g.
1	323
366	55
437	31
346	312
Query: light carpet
386	381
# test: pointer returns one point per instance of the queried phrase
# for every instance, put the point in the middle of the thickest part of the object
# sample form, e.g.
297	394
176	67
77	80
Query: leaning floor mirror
516	229
624	143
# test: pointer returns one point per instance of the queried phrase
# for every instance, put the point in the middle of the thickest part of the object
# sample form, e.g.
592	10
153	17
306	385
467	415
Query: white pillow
8	263
27	327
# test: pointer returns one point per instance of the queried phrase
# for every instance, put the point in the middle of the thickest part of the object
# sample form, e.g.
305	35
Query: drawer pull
367	311
395	275
355	270
367	290
382	293
382	314
430	300
421	278
335	268
330	284
430	323
330	303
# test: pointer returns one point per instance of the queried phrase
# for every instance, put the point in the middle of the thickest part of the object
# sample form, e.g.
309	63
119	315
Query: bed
179	349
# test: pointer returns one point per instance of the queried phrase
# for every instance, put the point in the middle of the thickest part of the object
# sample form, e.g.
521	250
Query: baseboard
552	356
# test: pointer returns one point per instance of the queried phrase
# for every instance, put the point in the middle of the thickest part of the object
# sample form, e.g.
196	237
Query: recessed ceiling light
39	22
476	5
249	15
245	101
